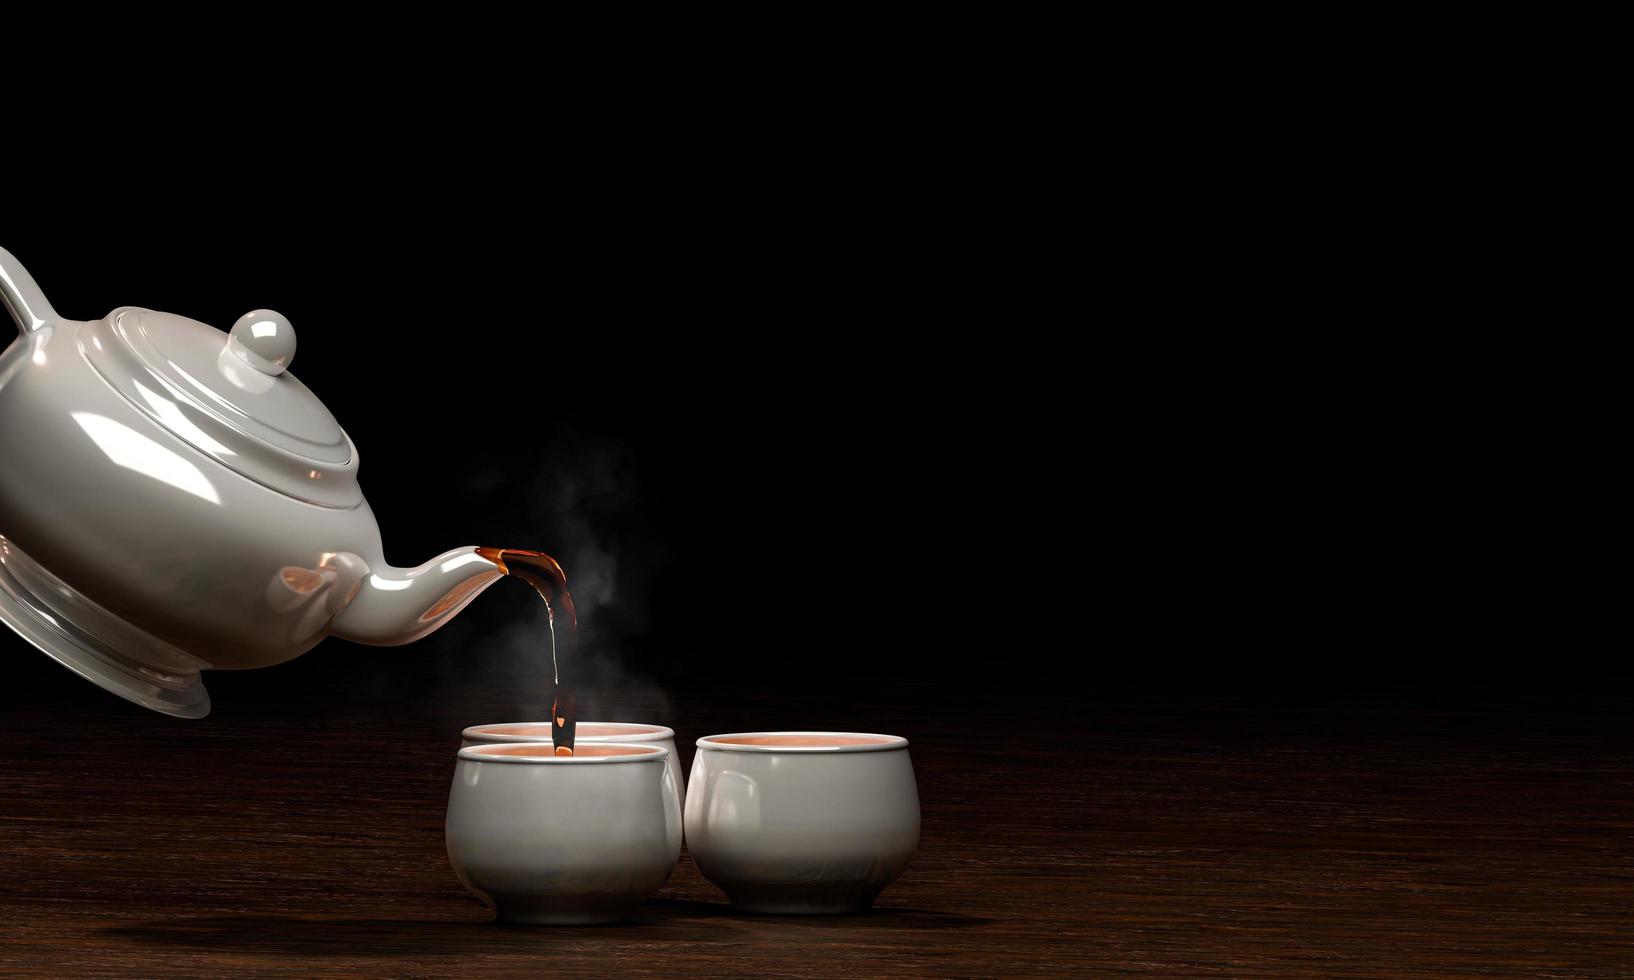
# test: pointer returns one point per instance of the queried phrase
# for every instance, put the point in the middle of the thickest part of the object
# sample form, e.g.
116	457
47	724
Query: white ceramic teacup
548	839
588	732
802	822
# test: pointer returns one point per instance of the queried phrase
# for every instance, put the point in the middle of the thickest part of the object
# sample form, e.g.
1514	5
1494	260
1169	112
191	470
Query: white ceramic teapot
172	500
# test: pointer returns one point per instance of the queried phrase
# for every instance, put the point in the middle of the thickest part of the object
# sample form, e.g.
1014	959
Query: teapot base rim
51	627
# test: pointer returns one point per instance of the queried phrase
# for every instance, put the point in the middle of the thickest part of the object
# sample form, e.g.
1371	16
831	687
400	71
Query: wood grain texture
1120	831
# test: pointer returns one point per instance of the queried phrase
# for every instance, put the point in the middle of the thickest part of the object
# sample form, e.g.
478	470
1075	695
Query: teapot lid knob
264	340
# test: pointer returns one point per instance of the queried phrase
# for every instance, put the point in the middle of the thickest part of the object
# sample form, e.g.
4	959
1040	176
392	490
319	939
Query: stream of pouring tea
547	578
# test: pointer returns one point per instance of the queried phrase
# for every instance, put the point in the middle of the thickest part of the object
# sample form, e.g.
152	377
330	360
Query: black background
827	429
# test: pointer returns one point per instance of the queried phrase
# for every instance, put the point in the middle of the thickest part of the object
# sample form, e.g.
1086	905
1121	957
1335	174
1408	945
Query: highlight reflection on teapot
142	435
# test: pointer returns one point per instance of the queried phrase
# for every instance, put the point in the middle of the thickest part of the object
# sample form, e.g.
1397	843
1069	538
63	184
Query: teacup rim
891	743
658	733
474	753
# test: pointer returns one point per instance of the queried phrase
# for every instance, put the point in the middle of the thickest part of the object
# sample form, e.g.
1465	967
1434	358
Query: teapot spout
392	606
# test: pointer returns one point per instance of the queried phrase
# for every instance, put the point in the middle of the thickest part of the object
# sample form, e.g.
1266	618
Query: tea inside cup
545	750
601	731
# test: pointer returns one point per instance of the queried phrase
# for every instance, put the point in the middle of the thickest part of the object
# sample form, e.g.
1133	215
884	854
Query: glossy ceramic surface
560	840
172	499
802	829
590	733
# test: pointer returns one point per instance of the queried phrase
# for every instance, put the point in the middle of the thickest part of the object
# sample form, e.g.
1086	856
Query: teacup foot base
825	899
800	908
564	919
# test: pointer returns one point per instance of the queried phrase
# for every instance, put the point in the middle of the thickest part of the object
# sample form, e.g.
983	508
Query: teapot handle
22	295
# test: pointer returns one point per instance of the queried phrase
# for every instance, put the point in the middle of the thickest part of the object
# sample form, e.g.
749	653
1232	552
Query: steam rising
581	505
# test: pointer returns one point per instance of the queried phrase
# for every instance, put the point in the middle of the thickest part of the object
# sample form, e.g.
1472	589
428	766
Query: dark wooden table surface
1126	829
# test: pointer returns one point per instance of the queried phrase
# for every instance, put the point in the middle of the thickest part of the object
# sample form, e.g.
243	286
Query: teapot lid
229	396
